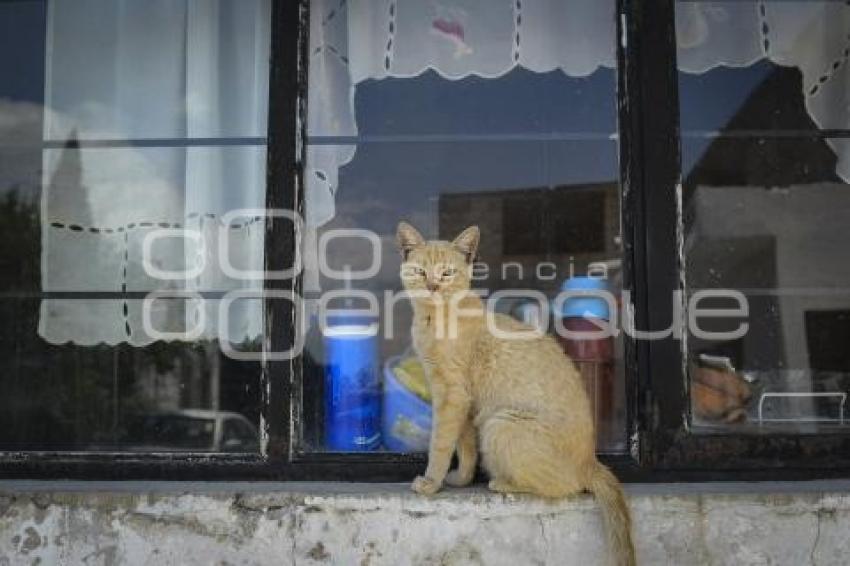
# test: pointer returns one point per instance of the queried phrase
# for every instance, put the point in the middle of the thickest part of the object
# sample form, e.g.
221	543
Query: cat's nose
431	286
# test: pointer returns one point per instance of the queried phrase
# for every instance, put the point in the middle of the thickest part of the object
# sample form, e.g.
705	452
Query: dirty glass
118	119
763	89
528	154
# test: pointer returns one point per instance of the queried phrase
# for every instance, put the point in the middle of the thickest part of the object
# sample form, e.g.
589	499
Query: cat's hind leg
522	454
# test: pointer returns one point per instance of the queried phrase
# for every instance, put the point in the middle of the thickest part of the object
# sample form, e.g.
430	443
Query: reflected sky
521	102
507	116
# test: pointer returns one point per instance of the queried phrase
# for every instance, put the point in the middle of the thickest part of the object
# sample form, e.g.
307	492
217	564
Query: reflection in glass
515	135
765	204
119	120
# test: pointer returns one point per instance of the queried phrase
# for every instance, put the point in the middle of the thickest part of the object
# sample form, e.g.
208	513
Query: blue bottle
352	384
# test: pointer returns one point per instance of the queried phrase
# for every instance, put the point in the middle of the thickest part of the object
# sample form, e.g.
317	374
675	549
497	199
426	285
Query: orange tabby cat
518	401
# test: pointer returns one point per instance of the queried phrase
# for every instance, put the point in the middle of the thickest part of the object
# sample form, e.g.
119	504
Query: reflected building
536	238
765	213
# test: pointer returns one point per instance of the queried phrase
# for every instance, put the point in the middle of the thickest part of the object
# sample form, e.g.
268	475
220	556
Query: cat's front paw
424	485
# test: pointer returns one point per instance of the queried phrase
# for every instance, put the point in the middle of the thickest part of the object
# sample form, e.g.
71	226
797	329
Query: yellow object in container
411	375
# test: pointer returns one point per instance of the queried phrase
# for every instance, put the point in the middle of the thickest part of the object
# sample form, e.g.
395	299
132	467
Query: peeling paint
318	552
31	541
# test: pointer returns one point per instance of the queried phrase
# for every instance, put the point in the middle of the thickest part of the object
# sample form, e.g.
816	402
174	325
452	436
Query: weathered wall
134	523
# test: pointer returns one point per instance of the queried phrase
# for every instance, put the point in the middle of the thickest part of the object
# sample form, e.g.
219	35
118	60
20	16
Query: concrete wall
137	523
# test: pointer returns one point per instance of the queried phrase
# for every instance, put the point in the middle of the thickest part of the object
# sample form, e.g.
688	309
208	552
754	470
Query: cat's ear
408	238
467	243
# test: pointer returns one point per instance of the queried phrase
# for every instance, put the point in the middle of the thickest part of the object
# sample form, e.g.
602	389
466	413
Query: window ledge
189	522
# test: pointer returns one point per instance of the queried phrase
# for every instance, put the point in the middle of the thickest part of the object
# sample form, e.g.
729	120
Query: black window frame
661	447
668	447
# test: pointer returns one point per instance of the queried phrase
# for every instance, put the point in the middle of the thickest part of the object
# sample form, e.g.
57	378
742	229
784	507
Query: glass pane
764	114
131	147
526	151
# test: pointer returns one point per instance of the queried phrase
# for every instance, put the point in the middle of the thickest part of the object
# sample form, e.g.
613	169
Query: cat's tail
615	511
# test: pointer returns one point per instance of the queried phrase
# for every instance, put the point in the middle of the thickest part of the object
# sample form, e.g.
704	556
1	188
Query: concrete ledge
309	523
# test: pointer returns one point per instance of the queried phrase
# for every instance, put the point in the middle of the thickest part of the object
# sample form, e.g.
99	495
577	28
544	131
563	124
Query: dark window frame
661	446
667	444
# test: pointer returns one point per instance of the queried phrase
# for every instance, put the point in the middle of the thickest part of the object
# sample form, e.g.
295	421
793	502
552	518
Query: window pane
452	125
130	148
765	122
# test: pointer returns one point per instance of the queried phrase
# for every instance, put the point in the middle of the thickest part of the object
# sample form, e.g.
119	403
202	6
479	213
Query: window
449	116
135	128
154	156
765	200
762	109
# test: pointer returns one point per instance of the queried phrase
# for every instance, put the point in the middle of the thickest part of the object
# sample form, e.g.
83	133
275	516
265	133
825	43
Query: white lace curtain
166	99
197	70
355	40
813	36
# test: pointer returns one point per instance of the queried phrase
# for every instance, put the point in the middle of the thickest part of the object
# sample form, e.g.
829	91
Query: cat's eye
411	271
449	272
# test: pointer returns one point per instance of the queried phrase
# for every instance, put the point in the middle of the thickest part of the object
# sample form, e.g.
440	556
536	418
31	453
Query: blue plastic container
585	306
352	384
406	417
